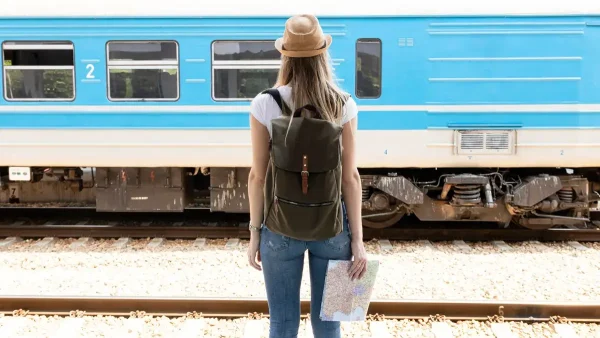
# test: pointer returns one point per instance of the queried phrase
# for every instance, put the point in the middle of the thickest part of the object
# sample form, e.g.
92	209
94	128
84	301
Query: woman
305	77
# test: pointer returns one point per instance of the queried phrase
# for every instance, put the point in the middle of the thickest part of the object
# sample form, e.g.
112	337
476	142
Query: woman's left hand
359	264
254	251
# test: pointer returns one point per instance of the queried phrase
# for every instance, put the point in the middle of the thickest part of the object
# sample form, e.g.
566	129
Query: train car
468	110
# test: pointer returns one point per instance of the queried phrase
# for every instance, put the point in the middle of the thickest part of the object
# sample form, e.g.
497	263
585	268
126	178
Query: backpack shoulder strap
282	106
346	97
277	97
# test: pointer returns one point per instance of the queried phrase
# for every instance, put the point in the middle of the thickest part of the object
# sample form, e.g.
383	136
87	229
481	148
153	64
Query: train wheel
381	222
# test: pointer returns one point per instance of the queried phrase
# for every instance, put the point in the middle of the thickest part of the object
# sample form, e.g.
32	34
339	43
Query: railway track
82	222
241	232
438	315
585	312
435	313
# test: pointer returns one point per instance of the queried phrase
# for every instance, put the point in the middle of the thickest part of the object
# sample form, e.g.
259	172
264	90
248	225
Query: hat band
283	47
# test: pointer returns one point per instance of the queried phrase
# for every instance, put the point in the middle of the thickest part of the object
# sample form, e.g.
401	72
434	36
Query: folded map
345	299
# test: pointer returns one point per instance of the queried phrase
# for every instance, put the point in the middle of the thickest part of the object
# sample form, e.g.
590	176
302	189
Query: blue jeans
282	263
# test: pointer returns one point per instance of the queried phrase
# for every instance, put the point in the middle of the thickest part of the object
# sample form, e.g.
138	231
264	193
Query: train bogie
537	201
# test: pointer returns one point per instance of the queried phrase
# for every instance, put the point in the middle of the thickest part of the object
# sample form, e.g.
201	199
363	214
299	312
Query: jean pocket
340	241
273	241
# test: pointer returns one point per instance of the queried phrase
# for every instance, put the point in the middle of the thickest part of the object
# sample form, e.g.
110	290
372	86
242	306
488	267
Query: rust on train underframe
397	194
533	193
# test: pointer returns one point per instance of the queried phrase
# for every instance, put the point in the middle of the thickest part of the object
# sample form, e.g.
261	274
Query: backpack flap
318	140
307	163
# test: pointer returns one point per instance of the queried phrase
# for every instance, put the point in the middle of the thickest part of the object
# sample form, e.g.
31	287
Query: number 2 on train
90	74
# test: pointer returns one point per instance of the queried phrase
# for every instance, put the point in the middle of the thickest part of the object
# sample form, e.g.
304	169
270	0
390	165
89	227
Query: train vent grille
485	142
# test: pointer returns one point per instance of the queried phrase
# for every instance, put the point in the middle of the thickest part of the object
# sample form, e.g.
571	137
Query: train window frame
359	40
46	44
238	64
143	64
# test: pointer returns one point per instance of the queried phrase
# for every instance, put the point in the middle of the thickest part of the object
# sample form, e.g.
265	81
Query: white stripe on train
231	148
484	108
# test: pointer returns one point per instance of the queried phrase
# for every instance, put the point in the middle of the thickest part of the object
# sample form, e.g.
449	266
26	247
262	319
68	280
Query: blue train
468	111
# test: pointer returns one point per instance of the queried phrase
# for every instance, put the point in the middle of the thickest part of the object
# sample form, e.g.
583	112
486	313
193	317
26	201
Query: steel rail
211	232
239	307
115	231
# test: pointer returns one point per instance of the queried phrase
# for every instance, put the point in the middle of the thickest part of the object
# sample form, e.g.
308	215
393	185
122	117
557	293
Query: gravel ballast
107	326
411	270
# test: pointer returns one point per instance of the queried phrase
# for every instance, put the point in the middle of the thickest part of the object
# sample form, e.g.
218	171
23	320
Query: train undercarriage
534	198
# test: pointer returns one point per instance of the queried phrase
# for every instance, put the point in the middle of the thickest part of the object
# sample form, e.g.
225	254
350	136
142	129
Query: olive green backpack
304	175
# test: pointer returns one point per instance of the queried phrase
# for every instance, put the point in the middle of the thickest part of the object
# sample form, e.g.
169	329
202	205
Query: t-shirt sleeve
258	108
350	111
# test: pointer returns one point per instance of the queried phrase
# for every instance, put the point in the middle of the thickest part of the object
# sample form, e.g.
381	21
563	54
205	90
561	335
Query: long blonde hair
312	82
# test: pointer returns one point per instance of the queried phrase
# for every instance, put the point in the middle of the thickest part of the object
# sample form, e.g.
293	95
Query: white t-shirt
264	108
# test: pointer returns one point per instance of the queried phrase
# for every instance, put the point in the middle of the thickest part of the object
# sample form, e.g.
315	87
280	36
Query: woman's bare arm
352	192
351	184
256	179
256	182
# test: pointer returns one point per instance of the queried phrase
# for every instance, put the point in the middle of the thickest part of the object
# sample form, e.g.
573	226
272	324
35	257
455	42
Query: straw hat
303	37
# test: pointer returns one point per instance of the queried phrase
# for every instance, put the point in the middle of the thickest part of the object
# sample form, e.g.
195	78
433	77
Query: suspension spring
366	193
566	194
467	194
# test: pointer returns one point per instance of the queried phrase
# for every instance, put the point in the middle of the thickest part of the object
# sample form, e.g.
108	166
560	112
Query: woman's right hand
254	251
359	265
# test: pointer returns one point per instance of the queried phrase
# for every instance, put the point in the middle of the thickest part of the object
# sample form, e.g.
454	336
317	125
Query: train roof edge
264	8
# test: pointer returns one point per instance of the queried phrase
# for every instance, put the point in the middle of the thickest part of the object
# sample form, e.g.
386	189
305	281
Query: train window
143	70
242	69
38	71
368	68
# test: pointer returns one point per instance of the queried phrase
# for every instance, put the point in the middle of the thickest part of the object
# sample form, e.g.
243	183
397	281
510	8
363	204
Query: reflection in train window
143	70
368	68
38	71
242	69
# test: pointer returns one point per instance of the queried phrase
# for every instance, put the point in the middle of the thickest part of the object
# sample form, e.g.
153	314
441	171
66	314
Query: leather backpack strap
277	97
345	99
304	174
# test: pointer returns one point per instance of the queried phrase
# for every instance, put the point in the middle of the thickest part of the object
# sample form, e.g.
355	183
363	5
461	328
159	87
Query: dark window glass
143	70
143	83
39	84
142	51
32	57
242	83
368	68
38	70
245	50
